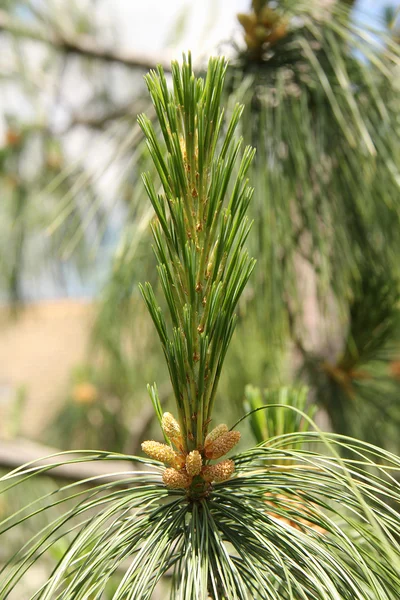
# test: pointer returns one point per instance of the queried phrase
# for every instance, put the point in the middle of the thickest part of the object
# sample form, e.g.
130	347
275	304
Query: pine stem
198	243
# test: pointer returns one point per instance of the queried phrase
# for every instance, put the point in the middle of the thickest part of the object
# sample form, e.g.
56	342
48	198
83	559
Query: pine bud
194	462
179	462
269	17
261	33
247	21
251	41
175	480
222	445
159	451
215	433
170	426
220	472
278	33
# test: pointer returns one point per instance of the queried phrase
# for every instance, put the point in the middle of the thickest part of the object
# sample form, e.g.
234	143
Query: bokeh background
320	83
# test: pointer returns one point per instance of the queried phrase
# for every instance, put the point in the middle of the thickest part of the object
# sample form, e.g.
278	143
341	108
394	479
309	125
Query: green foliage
359	388
269	414
321	108
28	206
320	95
199	243
320	528
294	522
325	123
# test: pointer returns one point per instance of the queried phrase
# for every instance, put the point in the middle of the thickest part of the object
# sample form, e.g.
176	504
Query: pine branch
282	520
199	241
127	112
81	46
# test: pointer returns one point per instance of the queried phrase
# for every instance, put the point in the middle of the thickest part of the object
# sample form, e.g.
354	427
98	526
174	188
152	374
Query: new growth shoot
200	230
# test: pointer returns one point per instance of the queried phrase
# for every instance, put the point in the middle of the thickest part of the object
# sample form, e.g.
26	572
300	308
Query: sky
207	22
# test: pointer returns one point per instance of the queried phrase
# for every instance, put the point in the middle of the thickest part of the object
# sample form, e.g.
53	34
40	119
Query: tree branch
82	45
131	110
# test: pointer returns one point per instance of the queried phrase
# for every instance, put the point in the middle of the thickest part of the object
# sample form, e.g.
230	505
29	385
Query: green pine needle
295	521
199	233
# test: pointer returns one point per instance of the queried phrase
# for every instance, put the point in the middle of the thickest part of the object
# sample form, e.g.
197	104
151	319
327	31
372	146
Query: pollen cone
159	451
220	472
222	445
194	463
175	480
215	433
170	425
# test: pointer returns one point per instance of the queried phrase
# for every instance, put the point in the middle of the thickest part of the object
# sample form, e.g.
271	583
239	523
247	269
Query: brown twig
82	45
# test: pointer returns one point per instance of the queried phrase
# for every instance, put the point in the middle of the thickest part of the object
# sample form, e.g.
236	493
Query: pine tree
321	105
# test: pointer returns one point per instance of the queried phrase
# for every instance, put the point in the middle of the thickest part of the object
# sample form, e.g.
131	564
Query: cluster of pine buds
263	27
182	467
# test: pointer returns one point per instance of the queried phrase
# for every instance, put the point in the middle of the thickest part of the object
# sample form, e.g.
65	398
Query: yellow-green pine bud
170	425
222	445
194	462
269	17
176	480
247	20
260	33
220	472
159	451
215	433
278	33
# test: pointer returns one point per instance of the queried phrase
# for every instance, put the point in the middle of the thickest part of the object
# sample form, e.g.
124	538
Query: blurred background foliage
320	84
